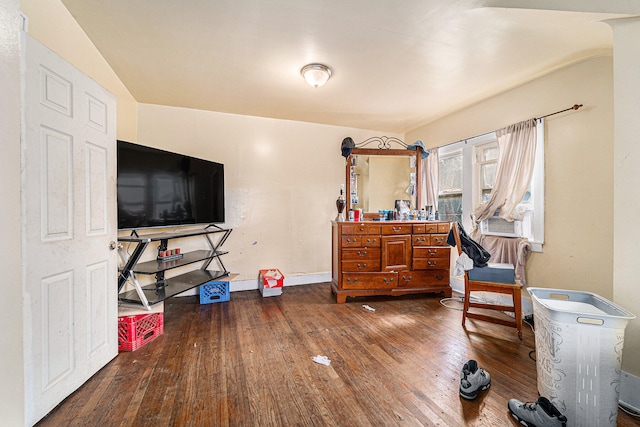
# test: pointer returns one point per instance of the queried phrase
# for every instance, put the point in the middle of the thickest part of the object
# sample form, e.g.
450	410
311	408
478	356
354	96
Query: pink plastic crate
136	331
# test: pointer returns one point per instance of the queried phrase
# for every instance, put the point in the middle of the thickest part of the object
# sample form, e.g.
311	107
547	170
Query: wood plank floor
248	362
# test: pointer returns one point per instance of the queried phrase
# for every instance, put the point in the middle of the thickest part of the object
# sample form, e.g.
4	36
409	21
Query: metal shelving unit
164	288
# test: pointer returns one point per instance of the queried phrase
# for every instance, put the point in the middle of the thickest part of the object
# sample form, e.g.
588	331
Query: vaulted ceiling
396	64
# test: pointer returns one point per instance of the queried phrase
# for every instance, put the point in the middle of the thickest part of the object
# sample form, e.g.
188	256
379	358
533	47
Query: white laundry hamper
579	339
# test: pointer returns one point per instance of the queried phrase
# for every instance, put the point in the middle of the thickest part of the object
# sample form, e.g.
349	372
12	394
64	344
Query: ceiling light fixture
316	74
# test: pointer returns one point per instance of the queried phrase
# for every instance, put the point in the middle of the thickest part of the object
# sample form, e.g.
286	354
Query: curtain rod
574	107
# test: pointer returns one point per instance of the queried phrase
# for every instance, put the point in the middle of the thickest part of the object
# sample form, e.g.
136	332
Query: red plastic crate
136	331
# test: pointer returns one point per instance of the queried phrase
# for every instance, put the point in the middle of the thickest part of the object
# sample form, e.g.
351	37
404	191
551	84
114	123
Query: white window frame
479	148
441	157
537	190
471	181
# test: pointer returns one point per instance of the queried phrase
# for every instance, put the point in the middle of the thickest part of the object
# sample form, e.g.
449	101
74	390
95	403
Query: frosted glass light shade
316	74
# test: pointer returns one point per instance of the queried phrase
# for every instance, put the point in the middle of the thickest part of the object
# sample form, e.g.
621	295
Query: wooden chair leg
465	304
517	305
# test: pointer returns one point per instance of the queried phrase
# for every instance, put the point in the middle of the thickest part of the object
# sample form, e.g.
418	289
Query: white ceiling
397	64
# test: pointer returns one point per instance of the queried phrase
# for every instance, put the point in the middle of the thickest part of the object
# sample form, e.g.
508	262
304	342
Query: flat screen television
158	188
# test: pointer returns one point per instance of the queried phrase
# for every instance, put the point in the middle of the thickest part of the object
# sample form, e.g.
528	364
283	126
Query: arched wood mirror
376	178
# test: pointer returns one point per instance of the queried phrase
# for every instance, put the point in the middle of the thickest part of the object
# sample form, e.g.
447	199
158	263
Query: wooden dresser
389	258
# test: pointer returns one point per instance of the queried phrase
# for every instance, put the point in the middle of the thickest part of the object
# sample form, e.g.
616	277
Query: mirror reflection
377	181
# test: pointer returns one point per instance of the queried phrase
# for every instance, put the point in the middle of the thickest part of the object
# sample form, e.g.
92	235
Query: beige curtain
517	148
431	179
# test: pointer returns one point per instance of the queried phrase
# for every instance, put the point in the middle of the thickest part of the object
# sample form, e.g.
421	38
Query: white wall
626	189
578	241
282	179
11	360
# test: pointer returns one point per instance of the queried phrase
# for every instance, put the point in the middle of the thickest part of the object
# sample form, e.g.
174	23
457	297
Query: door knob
114	245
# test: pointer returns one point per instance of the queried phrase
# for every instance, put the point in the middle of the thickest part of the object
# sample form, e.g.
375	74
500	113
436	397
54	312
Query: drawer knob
361	266
407	279
389	280
362	253
352	281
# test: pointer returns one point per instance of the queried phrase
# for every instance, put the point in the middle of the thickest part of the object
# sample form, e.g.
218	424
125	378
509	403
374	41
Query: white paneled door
69	221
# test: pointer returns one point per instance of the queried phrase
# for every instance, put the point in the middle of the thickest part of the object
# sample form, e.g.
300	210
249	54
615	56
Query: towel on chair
463	263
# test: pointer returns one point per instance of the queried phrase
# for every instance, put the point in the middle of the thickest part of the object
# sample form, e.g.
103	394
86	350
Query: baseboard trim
301	279
252	284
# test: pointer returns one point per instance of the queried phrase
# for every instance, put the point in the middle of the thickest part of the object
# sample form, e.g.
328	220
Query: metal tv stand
164	288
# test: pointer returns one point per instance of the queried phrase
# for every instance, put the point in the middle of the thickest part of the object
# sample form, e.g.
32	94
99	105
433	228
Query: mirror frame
417	153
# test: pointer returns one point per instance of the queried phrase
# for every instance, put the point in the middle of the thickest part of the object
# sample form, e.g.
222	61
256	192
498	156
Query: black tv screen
157	188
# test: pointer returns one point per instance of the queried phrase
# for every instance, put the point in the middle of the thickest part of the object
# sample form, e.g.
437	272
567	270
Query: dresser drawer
439	240
397	228
430	263
360	228
422	278
421	240
431	227
361	254
371	241
361	241
369	280
431	252
361	265
418	229
351	240
444	227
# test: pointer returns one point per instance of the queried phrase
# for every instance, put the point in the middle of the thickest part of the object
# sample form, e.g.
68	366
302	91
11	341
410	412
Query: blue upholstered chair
491	279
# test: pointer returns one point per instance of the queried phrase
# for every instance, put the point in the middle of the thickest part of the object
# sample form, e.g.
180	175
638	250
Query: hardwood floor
248	362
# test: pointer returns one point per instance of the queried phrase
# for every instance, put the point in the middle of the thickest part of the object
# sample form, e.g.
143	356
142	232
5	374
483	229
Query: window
486	163
450	195
467	174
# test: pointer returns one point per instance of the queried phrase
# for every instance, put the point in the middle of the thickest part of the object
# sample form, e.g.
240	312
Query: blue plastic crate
214	292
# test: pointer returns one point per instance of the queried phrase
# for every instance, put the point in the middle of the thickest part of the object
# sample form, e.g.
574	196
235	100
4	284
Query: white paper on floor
369	308
323	360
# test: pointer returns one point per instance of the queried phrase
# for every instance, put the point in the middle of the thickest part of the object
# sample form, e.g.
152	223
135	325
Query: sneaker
541	413
473	379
